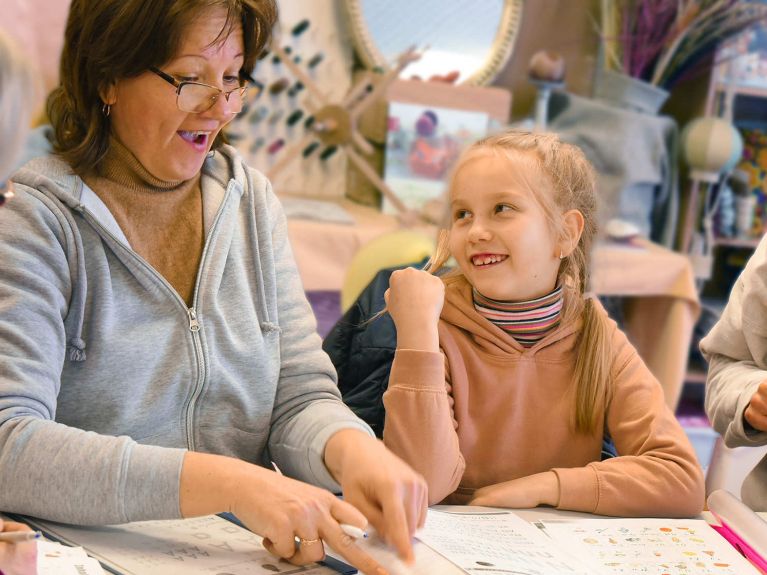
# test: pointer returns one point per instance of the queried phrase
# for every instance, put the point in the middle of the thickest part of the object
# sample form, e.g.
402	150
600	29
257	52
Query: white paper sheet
496	544
427	562
57	559
649	546
203	545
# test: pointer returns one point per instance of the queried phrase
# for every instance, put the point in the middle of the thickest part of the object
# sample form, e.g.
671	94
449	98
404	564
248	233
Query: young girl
506	377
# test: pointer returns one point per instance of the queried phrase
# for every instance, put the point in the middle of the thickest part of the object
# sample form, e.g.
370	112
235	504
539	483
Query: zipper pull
194	325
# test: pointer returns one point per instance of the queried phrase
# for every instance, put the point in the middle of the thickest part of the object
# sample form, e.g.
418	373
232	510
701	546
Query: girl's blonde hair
561	179
18	94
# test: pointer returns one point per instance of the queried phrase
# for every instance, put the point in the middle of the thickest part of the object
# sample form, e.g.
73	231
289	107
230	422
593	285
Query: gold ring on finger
308	541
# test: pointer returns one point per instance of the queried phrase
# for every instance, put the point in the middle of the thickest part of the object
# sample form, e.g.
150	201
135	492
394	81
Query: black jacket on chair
363	351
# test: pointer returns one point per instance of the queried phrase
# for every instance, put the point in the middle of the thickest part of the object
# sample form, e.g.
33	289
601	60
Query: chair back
388	250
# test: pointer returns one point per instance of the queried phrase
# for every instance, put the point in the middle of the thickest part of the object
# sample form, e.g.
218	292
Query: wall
568	27
564	26
38	27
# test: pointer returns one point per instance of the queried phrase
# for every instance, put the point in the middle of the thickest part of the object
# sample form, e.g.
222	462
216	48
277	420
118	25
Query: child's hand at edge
17	558
756	410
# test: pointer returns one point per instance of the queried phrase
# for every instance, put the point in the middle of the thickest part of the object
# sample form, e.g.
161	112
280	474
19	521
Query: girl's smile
485	260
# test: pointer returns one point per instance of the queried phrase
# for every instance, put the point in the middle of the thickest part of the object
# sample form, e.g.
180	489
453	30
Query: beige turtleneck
161	220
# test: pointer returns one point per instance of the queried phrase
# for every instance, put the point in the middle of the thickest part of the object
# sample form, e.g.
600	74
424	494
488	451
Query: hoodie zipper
190	312
194	325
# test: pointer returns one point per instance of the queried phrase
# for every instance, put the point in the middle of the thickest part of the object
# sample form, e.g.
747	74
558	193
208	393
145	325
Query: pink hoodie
487	410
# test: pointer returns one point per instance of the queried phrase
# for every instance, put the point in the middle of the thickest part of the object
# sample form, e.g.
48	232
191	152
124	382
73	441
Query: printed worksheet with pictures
648	546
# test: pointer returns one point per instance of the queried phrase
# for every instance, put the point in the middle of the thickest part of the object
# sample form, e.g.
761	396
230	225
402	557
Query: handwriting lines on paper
495	544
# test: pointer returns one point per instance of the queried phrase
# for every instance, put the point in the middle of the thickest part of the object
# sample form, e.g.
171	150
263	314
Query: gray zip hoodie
107	377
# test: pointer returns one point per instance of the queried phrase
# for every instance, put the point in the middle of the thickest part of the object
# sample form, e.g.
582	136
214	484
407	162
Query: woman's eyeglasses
196	97
6	191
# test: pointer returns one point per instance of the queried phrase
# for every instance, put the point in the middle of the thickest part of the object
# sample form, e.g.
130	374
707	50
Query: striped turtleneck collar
526	321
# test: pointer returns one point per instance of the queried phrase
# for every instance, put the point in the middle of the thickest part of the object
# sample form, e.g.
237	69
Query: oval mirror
472	37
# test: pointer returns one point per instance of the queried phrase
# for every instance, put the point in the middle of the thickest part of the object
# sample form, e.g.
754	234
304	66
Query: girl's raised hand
414	300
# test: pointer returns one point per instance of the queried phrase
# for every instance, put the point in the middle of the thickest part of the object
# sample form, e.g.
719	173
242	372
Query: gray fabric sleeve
736	349
48	469
308	409
729	388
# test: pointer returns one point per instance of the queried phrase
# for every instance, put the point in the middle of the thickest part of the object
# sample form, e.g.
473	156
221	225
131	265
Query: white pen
353	531
19	536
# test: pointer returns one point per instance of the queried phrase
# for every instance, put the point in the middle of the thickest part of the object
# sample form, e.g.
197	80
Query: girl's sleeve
656	472
420	427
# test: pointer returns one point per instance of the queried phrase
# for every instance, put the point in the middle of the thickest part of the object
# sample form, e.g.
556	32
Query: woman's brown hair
106	40
561	179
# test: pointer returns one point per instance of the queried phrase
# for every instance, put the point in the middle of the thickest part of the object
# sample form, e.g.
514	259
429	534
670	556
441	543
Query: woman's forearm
209	483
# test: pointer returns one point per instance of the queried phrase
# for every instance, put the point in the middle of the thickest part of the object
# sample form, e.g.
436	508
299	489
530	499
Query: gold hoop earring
106	109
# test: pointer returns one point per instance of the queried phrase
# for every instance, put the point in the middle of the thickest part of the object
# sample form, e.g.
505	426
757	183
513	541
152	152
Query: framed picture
743	59
422	144
428	127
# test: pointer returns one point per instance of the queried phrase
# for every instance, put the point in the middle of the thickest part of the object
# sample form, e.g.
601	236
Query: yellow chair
389	250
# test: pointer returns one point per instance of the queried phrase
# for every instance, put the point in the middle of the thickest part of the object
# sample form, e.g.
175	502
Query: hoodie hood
459	311
52	180
62	189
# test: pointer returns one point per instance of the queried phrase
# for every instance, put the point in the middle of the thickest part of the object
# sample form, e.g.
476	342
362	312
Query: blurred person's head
18	94
139	71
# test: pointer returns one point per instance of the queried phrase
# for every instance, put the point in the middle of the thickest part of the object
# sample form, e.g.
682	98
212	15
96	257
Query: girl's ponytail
592	369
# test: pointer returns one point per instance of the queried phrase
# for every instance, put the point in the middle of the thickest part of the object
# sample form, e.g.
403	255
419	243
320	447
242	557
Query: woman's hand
521	493
276	507
17	558
390	494
414	300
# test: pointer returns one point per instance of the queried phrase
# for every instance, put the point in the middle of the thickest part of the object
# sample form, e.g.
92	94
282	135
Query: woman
157	352
17	97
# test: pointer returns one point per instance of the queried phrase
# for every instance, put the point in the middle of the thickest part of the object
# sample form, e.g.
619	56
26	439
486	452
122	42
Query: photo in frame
429	124
422	145
743	59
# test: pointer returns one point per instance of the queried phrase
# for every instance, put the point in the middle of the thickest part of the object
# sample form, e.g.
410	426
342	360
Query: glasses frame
252	85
